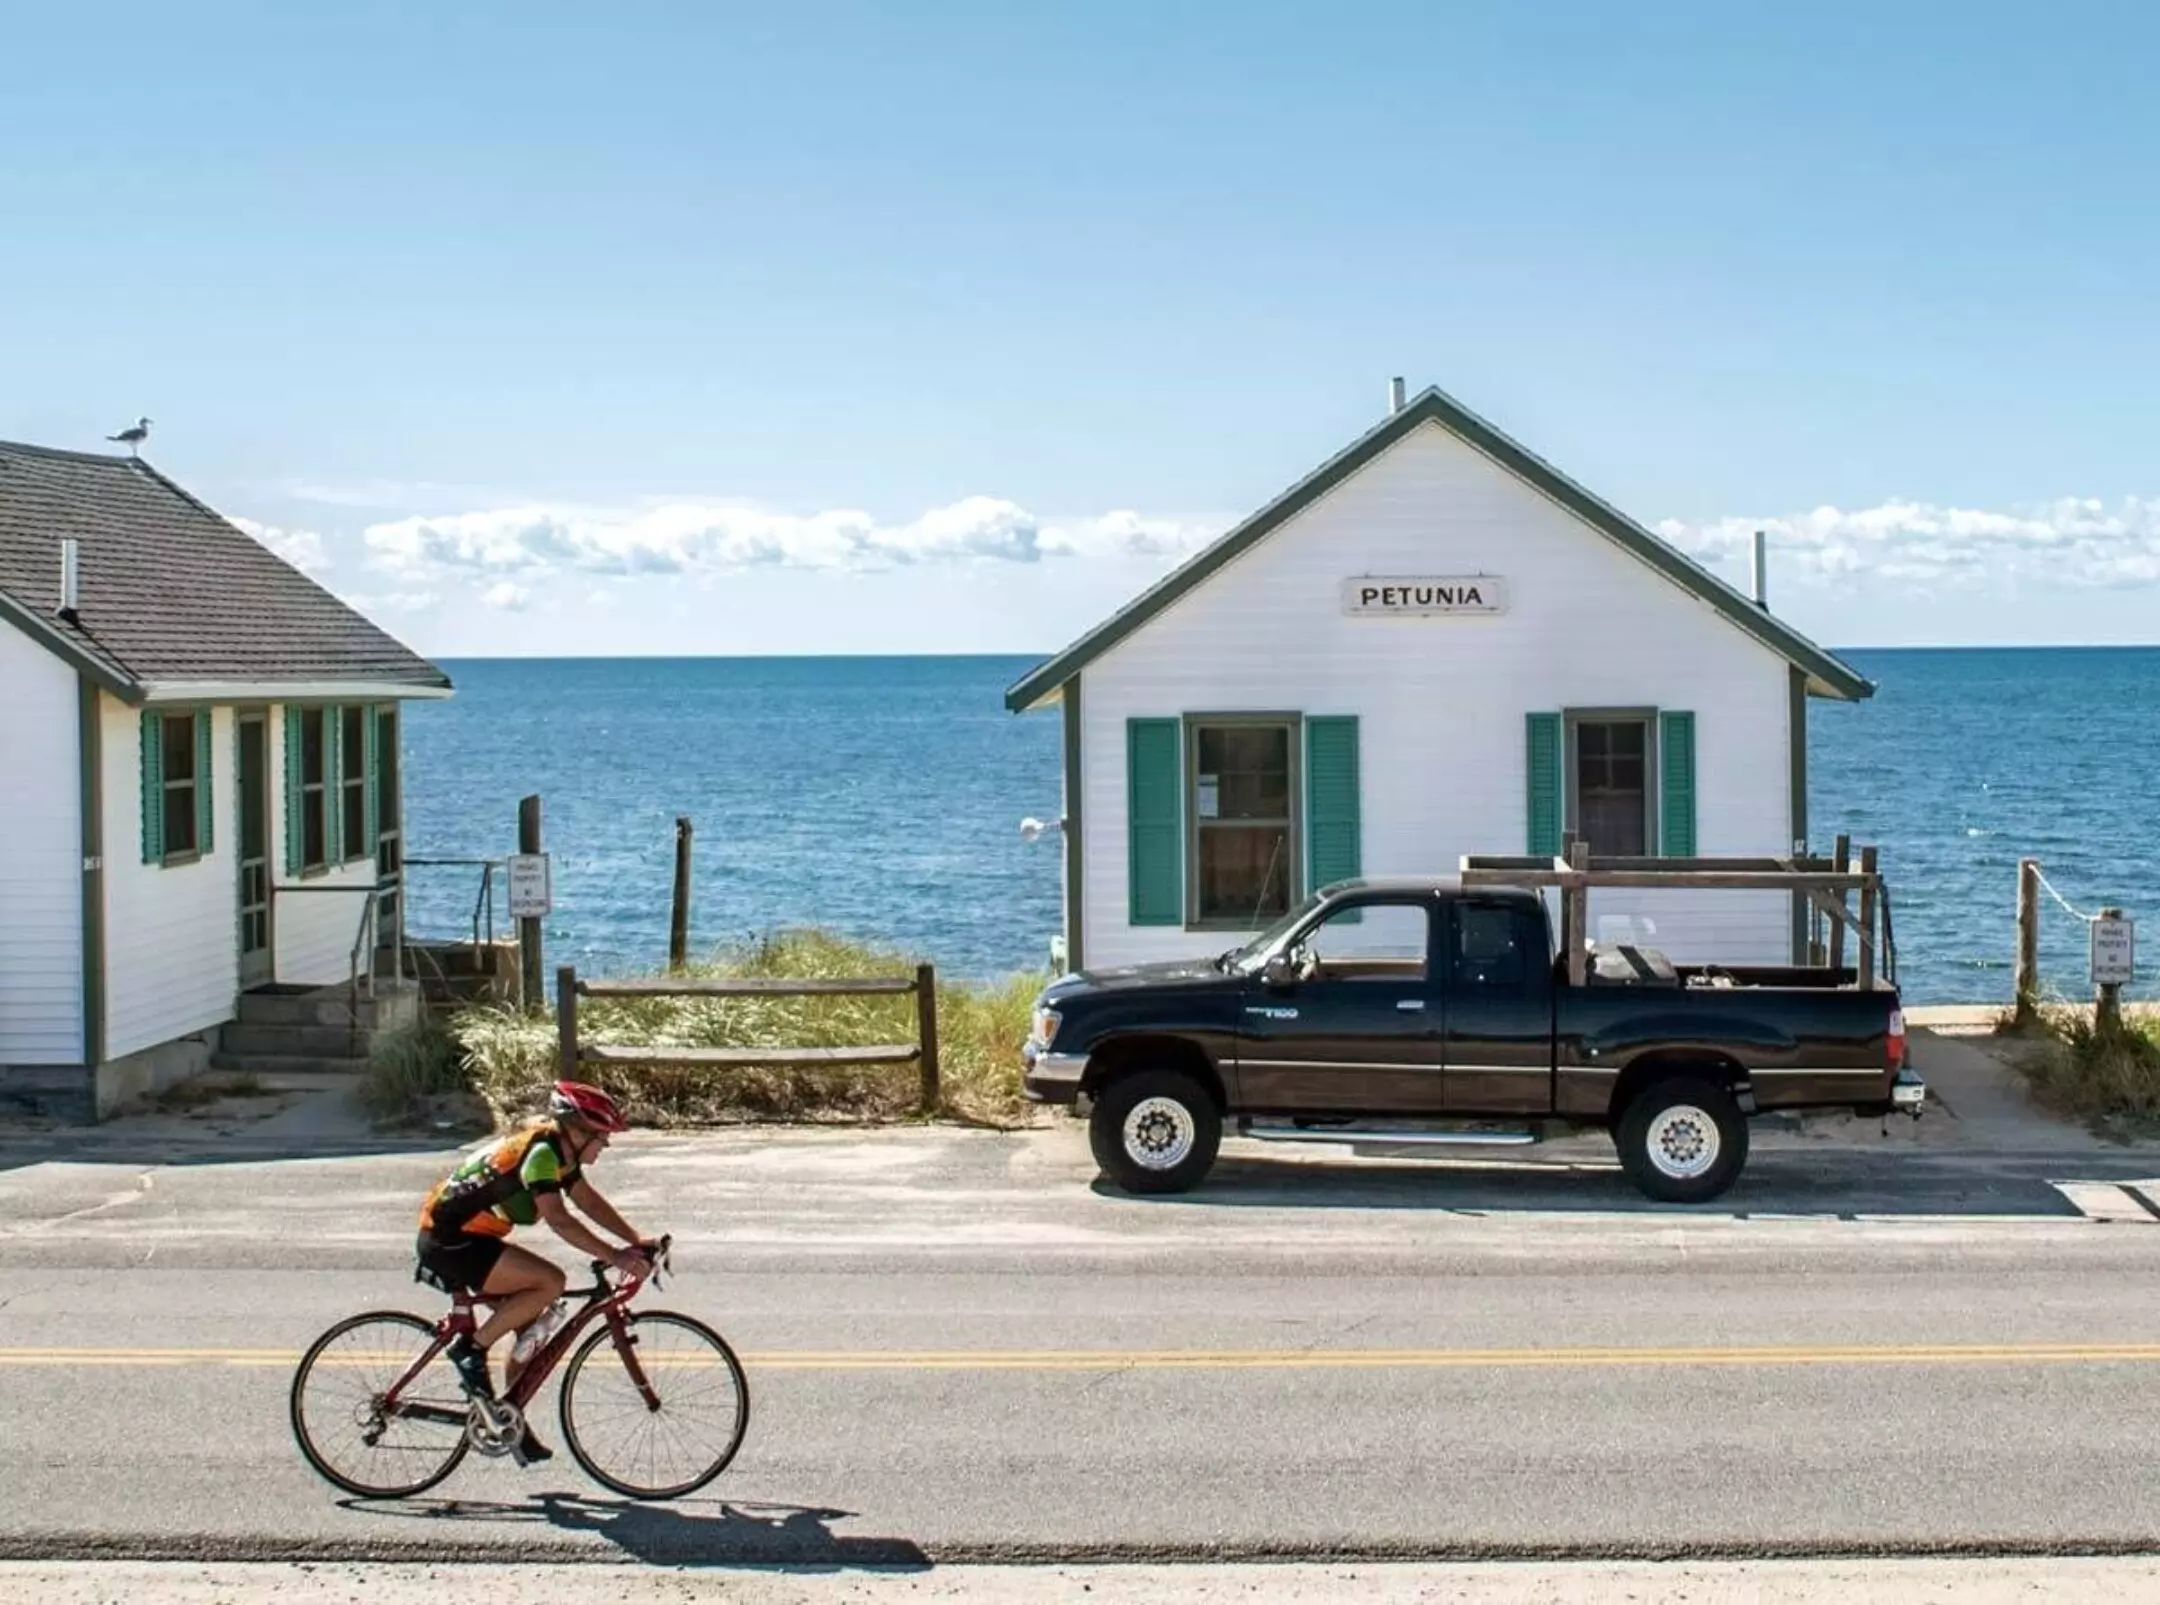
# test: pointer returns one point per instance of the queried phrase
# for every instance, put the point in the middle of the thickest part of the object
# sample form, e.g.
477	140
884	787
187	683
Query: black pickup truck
1405	1012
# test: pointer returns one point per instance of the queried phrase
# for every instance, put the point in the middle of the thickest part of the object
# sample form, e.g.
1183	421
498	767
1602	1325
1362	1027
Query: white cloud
506	596
302	548
697	537
2075	541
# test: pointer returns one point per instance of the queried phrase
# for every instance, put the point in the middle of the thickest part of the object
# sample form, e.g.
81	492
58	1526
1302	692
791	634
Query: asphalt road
963	1348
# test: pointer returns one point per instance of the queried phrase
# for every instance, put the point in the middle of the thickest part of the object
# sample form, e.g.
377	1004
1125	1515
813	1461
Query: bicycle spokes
660	1418
370	1416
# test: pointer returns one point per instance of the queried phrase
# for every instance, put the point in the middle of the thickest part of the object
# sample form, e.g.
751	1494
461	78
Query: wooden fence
922	1052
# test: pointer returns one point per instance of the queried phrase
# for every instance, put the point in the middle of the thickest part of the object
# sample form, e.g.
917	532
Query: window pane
1389	937
352	755
1244	872
179	815
386	769
1612	802
356	821
178	743
312	822
311	745
1490	947
1244	770
1612	822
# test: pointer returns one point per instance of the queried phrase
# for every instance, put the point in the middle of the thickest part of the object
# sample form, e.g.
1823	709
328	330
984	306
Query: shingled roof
170	592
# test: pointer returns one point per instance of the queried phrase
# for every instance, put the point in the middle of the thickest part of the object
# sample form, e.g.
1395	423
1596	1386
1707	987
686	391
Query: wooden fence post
926	1029
2107	1006
566	1021
679	917
532	975
2028	942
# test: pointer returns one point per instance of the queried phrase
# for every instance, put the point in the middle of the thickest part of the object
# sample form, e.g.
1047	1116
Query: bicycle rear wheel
340	1420
678	1439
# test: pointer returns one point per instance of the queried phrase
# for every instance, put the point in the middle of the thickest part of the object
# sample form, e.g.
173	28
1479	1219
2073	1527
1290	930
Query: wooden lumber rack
1846	890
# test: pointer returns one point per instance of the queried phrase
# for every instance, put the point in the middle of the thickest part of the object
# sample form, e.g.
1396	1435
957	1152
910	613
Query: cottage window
314	790
1241	793
177	745
1609	776
352	782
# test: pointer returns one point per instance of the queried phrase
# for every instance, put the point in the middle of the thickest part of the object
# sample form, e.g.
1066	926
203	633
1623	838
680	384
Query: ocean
882	798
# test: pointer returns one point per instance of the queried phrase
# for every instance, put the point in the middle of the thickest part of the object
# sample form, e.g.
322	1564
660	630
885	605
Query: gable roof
1827	676
169	591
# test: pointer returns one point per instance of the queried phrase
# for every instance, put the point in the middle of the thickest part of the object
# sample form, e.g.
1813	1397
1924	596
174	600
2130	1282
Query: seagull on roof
133	437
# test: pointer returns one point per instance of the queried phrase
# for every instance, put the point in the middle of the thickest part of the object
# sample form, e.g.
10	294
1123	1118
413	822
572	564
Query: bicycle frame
602	1302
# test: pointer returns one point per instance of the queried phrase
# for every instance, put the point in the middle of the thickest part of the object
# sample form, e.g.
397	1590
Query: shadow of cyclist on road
691	1533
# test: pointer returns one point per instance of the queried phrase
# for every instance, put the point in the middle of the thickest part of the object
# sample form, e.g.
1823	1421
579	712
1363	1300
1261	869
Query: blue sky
710	328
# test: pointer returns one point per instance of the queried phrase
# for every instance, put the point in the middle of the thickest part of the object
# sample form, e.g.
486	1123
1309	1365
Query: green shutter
295	838
1155	822
1332	848
153	789
333	764
1676	799
205	792
371	739
1544	766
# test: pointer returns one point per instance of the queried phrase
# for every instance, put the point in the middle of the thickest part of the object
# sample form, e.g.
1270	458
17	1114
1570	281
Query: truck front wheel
1155	1132
1682	1140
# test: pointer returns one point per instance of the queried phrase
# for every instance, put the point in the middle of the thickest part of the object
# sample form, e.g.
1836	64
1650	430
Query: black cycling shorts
459	1260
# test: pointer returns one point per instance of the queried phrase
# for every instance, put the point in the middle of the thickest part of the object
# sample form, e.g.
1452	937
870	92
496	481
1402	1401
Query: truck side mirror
1279	971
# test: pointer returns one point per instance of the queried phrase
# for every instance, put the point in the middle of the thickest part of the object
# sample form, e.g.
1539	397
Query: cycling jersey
499	1187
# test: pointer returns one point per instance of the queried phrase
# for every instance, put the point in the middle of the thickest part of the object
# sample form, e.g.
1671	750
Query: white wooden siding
171	933
41	977
314	929
1441	701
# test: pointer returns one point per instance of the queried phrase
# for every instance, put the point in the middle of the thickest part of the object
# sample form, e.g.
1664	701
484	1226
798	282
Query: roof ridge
63	451
1433	405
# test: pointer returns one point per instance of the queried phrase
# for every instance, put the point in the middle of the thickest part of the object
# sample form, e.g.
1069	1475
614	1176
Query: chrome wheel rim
1683	1142
1159	1133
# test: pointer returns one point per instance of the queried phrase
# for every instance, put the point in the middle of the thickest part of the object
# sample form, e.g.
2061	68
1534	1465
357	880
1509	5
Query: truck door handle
1410	1004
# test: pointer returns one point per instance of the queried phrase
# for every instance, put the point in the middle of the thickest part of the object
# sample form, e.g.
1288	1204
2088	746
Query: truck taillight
1897	1039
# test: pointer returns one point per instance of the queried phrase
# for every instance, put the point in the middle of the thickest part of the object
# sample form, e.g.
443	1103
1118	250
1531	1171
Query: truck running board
1387	1137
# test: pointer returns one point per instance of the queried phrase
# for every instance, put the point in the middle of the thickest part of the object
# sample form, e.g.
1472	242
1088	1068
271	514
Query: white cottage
1436	644
199	791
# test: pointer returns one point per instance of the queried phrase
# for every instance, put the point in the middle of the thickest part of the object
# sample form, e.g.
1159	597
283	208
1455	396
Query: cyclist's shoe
528	1450
471	1362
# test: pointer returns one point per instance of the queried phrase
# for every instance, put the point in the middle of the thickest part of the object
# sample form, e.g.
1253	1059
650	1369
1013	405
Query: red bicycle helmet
589	1104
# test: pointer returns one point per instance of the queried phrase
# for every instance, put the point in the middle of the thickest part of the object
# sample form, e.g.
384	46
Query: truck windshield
1254	953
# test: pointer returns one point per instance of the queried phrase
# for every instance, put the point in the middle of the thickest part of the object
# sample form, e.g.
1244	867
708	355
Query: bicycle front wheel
353	1433
667	1428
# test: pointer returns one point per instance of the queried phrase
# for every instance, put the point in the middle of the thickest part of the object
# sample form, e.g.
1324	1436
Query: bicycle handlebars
657	1252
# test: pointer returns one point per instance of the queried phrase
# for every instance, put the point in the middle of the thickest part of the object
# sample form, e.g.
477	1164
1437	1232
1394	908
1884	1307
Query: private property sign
2114	950
1380	594
531	886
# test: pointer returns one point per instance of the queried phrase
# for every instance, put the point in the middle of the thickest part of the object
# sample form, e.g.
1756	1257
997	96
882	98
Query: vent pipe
70	578
1760	579
1394	395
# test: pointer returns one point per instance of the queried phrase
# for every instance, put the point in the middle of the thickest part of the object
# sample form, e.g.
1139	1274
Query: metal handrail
365	939
484	903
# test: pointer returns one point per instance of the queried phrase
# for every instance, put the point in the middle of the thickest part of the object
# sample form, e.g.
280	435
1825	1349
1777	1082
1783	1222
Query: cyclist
466	1221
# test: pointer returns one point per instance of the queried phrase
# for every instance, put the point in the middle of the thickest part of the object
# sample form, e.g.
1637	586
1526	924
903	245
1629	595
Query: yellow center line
1054	1360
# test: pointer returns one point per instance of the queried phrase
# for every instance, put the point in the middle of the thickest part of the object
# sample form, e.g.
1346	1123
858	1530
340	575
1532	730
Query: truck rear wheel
1682	1140
1155	1132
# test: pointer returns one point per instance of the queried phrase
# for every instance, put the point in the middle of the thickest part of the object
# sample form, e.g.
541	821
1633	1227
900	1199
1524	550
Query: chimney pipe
70	578
1394	395
1761	576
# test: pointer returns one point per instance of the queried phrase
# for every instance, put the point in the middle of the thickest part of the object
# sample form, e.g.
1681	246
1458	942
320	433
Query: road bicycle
653	1404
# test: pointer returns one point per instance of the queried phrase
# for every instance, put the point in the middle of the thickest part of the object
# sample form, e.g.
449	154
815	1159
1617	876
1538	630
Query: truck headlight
1045	1027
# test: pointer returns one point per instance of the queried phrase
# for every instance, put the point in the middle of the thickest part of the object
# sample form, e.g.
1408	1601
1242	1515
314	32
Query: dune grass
2107	1077
508	1058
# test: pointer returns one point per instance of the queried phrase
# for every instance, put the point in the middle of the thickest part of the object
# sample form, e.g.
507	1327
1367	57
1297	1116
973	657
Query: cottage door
253	776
